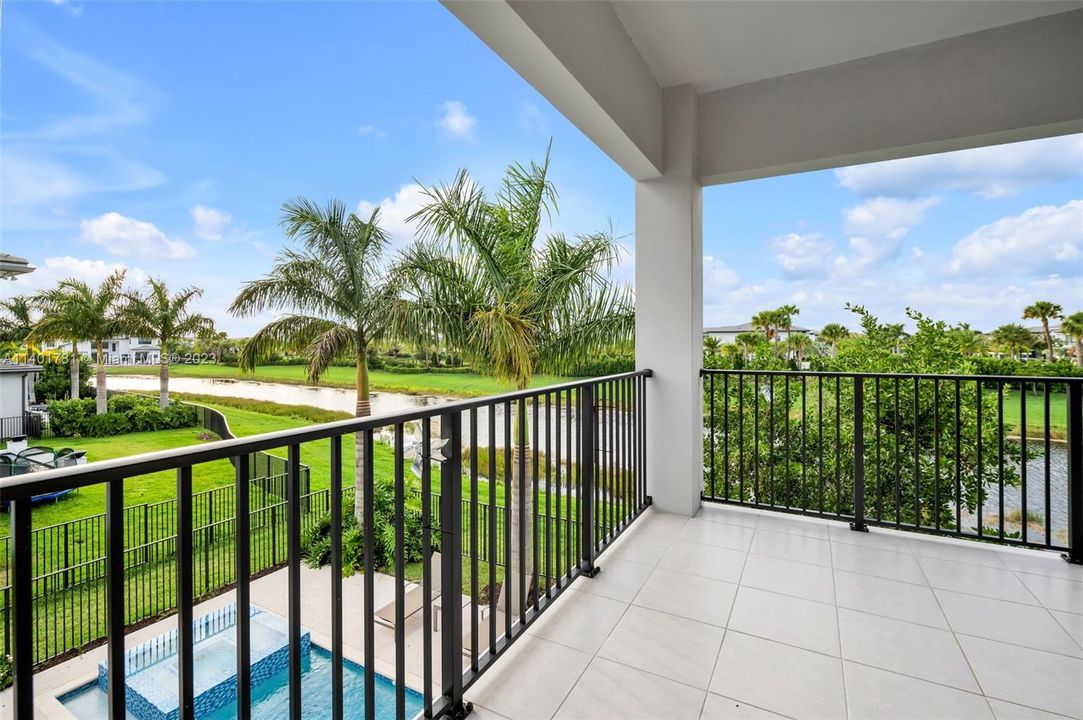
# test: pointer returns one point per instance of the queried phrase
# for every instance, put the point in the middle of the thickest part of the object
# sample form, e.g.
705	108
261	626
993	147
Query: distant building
117	351
729	333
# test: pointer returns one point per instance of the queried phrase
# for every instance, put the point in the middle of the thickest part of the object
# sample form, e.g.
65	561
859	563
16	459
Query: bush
54	381
146	417
609	364
105	425
179	415
67	418
6	676
125	402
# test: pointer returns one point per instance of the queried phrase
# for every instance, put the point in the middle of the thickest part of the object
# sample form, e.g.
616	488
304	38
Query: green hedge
126	413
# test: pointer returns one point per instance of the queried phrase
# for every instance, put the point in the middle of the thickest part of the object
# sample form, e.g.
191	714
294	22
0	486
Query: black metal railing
989	458
31	425
569	452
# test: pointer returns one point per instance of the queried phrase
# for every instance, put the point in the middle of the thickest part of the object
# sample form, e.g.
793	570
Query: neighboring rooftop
12	265
6	366
749	327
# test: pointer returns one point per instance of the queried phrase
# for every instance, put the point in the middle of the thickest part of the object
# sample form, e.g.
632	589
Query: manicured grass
415	383
1035	404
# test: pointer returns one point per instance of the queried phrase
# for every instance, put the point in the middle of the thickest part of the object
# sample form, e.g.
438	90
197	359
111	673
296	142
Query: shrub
126	402
145	417
179	415
609	364
5	672
54	382
105	425
67	418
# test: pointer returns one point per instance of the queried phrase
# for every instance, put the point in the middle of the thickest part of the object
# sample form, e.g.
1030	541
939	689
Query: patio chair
414	598
483	631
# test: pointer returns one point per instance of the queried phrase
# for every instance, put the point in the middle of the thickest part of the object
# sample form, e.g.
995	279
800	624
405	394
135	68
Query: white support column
669	310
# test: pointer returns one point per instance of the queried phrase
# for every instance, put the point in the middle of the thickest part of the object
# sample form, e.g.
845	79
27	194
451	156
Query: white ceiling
723	43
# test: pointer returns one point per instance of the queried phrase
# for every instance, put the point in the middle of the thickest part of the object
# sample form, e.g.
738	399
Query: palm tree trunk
362	409
1079	351
73	370
520	457
1048	340
163	377
102	400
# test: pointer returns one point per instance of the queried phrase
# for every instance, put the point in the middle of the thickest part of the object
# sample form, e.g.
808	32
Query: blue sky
164	137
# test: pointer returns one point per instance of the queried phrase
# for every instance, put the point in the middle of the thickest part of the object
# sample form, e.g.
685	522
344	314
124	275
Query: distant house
16	388
728	333
118	350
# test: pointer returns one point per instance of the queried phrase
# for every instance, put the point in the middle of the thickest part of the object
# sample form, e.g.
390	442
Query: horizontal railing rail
991	458
572	478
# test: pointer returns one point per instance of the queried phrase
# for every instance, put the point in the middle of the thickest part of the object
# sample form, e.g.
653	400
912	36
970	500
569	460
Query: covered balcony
631	546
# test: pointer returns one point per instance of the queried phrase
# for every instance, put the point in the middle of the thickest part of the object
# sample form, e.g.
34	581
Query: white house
16	388
728	333
118	350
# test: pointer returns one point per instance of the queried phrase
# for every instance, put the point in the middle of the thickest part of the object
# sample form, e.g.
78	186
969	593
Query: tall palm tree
968	340
75	310
1072	326
832	334
510	303
895	332
784	321
766	320
1044	310
336	297
168	319
1015	338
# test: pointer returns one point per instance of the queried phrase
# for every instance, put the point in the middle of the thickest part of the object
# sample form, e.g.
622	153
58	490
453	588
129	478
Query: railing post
1075	473
586	480
22	579
451	565
859	455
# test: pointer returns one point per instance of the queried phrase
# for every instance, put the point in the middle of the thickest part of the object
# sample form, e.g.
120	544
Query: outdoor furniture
414	598
438	606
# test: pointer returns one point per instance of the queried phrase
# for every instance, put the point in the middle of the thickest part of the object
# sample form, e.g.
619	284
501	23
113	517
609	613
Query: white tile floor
739	614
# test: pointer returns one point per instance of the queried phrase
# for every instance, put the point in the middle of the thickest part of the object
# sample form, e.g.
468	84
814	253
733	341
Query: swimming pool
270	700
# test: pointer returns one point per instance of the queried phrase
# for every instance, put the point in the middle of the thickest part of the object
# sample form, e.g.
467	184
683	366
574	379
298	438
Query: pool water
270	700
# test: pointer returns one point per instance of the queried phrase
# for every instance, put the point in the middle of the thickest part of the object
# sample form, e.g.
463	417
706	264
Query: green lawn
417	383
1058	413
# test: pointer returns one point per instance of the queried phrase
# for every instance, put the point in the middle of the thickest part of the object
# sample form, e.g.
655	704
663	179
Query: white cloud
718	279
1041	240
209	223
877	228
371	131
124	236
394	211
990	172
801	255
456	121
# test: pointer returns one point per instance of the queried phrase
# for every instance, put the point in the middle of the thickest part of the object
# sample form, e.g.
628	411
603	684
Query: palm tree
97	316
969	341
335	295
17	319
747	342
1044	310
800	345
895	332
168	319
511	304
1015	338
784	321
711	344
766	320
832	334
1072	326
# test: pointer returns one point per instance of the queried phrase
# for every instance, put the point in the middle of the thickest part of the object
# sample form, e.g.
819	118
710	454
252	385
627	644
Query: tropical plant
711	344
766	320
1014	338
968	340
168	319
335	294
800	346
833	334
75	310
895	334
510	303
1072	326
748	342
16	318
1044	311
